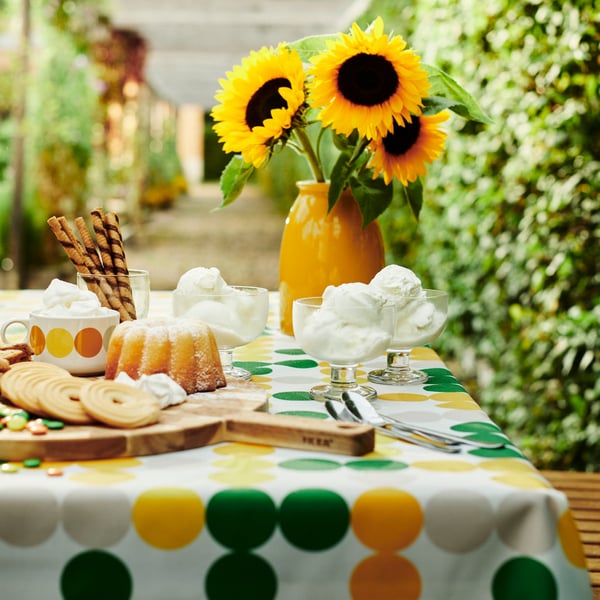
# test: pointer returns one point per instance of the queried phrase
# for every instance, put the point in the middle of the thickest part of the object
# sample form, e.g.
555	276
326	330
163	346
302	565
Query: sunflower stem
313	161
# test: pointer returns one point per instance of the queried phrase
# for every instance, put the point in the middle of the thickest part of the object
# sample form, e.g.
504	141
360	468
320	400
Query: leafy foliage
511	220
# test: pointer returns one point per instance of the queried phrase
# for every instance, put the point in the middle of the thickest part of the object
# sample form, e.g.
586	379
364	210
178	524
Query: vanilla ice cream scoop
202	280
397	283
64	299
352	324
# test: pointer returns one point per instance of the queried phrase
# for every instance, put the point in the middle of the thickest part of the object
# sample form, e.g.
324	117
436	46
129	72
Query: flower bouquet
364	94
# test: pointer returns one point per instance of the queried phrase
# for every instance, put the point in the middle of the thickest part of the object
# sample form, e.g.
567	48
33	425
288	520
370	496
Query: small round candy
16	422
9	468
32	463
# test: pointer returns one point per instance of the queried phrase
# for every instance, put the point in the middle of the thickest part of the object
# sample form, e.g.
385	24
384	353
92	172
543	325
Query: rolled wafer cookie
97	216
117	250
88	243
105	292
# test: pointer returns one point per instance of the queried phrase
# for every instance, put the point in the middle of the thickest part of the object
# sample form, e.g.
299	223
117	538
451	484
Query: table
247	521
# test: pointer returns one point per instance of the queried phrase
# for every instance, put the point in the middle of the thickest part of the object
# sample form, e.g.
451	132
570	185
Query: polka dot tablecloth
237	521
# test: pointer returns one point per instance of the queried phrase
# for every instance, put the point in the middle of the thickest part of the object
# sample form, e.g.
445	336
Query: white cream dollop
64	299
167	391
349	327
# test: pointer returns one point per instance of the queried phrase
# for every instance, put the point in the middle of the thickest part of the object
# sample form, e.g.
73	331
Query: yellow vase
320	249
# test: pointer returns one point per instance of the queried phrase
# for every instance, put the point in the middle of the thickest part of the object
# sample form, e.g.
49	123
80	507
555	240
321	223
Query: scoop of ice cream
350	325
64	299
225	322
397	283
201	280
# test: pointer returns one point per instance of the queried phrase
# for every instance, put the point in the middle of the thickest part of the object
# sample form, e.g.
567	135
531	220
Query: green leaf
373	196
412	194
461	102
340	177
233	179
312	45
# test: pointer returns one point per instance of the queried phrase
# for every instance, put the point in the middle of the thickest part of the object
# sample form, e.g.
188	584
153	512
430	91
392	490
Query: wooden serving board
235	413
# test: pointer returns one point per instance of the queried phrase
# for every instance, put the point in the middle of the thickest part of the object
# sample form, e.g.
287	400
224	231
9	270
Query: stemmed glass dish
420	319
358	336
236	315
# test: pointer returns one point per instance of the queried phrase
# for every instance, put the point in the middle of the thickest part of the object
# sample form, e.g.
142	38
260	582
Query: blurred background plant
510	223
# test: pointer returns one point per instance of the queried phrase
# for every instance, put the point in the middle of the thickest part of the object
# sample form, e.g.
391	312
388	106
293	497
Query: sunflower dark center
367	79
403	138
264	100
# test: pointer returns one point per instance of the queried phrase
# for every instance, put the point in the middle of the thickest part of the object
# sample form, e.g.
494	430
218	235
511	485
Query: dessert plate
235	413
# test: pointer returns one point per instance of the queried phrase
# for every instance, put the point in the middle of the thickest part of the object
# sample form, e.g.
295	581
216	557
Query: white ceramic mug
77	344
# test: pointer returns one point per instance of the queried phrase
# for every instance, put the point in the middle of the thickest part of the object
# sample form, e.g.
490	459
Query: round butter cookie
118	404
60	397
18	384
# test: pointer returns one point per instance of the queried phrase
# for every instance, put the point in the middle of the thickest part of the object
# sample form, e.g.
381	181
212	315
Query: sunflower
404	153
258	103
367	81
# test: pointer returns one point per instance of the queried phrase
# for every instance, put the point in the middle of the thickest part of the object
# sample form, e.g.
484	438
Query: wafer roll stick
111	225
102	240
88	243
107	295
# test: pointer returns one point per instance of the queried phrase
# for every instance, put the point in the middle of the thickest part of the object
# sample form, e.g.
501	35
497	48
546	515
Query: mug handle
7	324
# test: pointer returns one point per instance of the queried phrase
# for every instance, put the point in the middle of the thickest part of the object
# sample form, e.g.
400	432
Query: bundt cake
185	350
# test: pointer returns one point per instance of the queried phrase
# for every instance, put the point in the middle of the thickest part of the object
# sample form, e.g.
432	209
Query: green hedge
511	220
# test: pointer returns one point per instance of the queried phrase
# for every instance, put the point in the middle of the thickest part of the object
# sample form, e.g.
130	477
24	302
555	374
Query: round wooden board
197	422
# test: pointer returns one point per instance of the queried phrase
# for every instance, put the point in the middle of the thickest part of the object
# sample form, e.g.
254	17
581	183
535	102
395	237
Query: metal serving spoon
339	412
364	410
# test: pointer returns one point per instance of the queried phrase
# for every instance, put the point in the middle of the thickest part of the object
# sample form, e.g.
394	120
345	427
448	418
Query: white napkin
159	385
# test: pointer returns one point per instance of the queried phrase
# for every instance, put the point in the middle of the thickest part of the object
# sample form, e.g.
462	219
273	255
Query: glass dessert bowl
236	315
343	330
420	319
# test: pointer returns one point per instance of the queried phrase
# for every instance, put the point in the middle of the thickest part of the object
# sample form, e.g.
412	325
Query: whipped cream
352	324
418	321
236	316
63	299
167	391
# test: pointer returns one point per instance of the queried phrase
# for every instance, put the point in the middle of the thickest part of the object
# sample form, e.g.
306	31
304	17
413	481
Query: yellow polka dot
385	577
387	519
37	339
168	517
59	342
399	397
456	400
522	480
102	477
455	466
570	541
507	465
242	449
422	353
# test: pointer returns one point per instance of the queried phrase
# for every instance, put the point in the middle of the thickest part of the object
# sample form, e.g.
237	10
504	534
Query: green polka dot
444	387
290	351
310	464
241	519
477	427
255	367
314	519
439	374
524	579
379	465
496	453
96	575
240	575
304	413
299	364
302	396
